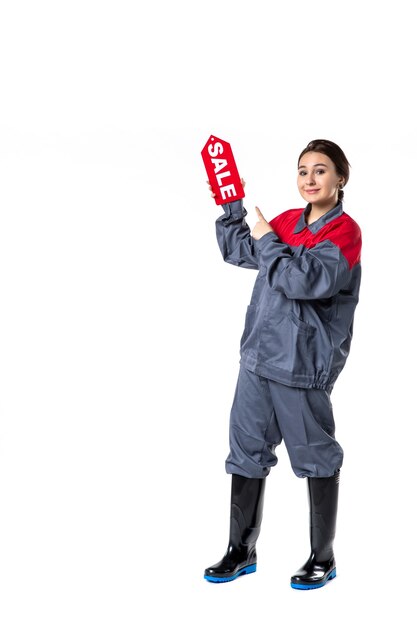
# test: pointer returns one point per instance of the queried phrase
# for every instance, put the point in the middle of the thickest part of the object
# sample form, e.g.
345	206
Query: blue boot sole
245	570
329	576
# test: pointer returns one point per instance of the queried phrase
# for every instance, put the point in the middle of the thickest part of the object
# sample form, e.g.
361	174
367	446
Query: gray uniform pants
265	412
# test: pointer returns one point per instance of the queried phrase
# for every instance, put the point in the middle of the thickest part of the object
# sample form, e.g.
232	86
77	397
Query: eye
320	172
302	173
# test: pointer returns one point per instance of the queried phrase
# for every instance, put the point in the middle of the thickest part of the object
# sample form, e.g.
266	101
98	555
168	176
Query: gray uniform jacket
299	322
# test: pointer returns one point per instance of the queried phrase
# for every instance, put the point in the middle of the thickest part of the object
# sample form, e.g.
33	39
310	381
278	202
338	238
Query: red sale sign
222	171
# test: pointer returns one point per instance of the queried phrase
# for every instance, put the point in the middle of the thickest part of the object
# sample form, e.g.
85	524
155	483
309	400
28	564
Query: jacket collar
322	221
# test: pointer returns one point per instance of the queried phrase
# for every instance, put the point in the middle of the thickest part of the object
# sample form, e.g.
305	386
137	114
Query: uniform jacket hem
319	381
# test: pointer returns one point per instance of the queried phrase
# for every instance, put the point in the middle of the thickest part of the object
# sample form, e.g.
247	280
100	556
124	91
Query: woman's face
318	181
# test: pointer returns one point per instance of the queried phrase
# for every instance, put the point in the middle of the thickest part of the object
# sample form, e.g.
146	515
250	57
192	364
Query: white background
120	323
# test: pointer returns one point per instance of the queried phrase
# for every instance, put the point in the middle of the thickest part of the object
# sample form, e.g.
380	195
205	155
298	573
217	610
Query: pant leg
254	431
305	419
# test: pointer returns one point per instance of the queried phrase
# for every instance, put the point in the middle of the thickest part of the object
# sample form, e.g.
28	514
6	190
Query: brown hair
335	154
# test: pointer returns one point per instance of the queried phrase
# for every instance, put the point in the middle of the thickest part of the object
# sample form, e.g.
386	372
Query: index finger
258	211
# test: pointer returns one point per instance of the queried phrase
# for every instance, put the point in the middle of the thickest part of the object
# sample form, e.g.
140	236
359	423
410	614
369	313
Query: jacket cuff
263	241
234	209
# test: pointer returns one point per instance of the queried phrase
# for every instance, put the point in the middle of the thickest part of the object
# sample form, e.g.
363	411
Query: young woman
296	339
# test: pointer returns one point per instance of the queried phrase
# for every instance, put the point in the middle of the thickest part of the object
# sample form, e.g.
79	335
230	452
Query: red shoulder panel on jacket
343	232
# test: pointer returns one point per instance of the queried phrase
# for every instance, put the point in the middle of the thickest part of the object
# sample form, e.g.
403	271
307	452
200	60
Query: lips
312	190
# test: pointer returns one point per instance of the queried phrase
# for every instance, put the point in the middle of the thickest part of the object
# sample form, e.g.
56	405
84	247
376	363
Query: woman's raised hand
261	227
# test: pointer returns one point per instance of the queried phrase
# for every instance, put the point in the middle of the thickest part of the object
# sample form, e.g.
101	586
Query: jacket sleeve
234	238
310	273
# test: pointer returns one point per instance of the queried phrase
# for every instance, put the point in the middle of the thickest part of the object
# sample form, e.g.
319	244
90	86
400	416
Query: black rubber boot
321	566
245	525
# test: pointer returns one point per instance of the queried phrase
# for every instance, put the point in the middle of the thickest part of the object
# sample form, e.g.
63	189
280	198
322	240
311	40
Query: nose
309	179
